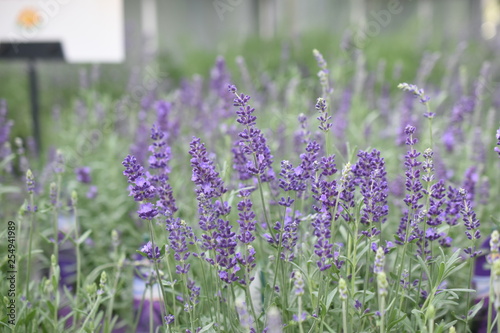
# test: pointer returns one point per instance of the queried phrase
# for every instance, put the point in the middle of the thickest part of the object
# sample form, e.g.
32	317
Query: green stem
249	301
30	241
382	313
187	299
299	315
471	270
172	284
155	264
109	315
151	323
91	314
344	316
490	303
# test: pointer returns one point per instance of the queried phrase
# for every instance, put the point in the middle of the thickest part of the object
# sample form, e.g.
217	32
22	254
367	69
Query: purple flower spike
371	176
147	211
324	119
471	223
83	175
207	180
252	142
180	234
30	181
153	254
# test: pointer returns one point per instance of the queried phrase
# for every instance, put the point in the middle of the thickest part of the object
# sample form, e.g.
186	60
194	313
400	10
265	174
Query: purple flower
471	223
324	119
153	254
323	247
158	162
147	211
169	319
252	141
207	180
412	184
83	175
179	234
92	192
371	176
225	246
240	162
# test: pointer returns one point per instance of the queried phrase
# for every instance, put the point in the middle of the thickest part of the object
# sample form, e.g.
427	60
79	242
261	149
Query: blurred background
166	40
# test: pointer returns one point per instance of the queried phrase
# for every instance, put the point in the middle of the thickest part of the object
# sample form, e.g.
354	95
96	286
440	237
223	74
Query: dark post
35	116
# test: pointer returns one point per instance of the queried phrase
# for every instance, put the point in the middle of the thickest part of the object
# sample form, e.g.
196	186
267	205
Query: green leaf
84	237
206	327
142	253
330	297
474	309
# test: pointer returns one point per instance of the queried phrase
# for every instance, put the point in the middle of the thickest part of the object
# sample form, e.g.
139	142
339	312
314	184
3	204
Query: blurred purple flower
83	175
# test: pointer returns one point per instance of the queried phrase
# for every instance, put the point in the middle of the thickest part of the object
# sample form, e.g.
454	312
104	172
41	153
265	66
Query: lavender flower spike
323	73
419	93
30	181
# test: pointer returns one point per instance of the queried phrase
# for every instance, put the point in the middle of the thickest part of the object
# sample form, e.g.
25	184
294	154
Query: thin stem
172	284
155	264
91	314
344	316
471	270
151	323
252	308
382	313
109	315
490	303
300	315
28	274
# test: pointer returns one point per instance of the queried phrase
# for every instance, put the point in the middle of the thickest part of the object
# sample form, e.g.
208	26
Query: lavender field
340	193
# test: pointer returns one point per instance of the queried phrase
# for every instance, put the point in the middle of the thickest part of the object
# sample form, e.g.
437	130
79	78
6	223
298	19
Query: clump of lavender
471	224
371	177
180	234
247	222
158	161
217	233
252	141
208	186
414	190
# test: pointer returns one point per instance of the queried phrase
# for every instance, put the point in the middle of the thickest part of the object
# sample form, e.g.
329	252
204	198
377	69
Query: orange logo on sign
28	18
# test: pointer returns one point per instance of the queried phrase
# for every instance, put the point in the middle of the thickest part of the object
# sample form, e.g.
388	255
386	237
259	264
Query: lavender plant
247	226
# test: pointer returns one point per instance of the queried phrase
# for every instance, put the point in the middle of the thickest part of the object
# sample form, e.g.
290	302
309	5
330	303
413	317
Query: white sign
88	30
